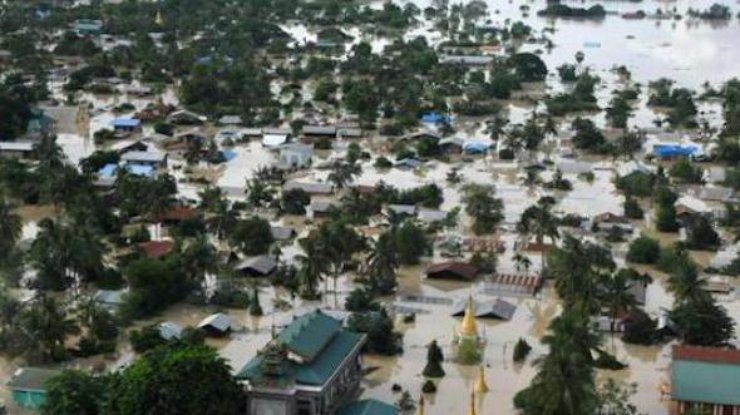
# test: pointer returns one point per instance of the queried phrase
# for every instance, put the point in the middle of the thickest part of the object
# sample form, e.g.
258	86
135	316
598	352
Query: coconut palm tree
343	174
11	226
522	261
258	193
312	266
45	327
539	221
616	296
686	284
564	383
198	257
382	263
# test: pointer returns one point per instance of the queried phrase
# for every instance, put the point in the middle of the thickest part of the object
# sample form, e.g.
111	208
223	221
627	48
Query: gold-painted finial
472	403
469	326
420	411
481	386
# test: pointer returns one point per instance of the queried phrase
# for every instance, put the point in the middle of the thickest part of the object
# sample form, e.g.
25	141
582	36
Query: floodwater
688	51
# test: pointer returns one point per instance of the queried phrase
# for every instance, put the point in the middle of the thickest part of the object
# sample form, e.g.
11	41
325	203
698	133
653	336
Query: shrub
429	387
521	350
644	250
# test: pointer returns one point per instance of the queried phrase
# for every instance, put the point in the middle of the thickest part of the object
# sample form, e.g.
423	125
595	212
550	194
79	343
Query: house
282	233
349	132
319	131
218	324
574	167
477	146
230	120
606	324
156	249
369	407
313	188
630	167
452	270
451	145
469	60
296	155
497	309
177	214
169	330
185	117
401	210
257	266
320	208
110	299
154	159
125	146
407	163
40	125
312	367
28	386
85	27
607	221
513	285
689	205
126	125
716	194
16	149
275	137
138	90
705	379
676	150
431	215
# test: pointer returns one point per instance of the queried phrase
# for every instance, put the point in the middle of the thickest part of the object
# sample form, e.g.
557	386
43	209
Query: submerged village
322	207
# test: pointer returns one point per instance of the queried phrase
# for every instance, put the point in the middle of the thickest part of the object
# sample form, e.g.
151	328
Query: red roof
156	249
180	213
461	269
707	354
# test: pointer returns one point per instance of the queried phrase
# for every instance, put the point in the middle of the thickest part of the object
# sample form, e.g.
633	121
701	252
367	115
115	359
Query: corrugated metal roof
309	334
31	378
369	407
218	321
706	375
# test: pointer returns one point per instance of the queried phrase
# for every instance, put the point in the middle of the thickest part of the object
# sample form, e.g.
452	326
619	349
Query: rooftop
30	378
707	375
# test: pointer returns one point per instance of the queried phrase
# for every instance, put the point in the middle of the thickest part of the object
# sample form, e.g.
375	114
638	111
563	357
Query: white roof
145	156
218	321
274	140
693	203
16	146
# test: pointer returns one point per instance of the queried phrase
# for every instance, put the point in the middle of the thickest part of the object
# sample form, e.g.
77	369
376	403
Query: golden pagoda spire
472	403
420	411
158	20
469	327
481	386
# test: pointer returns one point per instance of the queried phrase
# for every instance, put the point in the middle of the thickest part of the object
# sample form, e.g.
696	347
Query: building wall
29	399
711	409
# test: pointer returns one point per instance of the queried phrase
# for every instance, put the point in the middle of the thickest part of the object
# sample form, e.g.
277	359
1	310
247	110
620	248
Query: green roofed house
28	386
312	367
369	407
706	379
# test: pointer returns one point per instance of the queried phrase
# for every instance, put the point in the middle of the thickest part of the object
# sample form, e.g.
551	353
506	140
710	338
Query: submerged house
312	367
706	380
452	270
296	156
28	386
16	149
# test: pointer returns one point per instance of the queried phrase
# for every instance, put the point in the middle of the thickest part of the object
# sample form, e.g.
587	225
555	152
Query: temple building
312	367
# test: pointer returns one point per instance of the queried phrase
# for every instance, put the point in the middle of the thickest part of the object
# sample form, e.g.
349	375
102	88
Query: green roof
309	334
707	382
31	379
315	335
369	407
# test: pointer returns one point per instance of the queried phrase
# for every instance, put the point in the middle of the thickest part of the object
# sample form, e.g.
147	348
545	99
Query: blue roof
369	407
433	117
109	170
476	146
140	169
702	381
126	122
228	154
670	150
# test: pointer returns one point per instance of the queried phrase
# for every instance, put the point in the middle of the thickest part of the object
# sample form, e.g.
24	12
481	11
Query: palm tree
11	226
686	284
539	221
311	268
199	257
46	327
522	261
616	295
382	263
564	383
258	193
343	174
49	154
